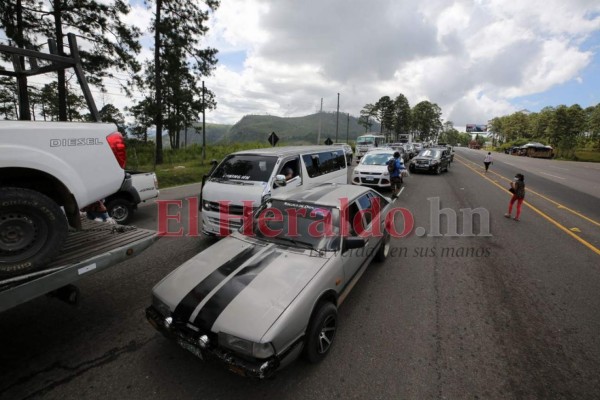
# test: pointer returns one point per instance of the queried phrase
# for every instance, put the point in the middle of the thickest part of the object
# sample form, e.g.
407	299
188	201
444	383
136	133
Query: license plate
191	348
369	179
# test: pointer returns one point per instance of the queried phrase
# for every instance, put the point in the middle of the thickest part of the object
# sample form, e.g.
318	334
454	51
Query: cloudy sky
476	59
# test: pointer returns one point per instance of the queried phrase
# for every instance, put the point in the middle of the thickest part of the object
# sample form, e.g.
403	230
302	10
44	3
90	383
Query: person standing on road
487	161
518	191
396	174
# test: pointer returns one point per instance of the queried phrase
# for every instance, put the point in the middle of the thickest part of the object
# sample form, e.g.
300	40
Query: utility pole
337	120
203	126
320	117
348	128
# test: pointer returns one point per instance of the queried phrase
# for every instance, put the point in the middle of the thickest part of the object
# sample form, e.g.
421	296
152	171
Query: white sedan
372	169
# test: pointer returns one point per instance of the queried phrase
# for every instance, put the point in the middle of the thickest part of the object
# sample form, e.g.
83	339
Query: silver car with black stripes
261	297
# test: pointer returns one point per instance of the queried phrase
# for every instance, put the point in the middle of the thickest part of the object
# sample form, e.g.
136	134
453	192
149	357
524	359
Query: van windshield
245	167
365	140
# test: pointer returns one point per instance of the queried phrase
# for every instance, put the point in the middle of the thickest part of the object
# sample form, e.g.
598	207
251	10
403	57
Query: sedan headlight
246	347
163	309
433	162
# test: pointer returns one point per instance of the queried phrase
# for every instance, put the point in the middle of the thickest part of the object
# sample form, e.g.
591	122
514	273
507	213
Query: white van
250	176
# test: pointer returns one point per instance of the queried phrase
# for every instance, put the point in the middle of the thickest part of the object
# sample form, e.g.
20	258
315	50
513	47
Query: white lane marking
564	169
554	176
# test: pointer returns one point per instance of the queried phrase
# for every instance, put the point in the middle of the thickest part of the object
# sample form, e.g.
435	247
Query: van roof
324	194
287	150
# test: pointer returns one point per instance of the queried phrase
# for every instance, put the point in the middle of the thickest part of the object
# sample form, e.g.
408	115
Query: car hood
237	286
234	191
371	168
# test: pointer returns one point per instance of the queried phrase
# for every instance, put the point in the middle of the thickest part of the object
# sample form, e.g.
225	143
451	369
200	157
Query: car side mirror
354	242
280	180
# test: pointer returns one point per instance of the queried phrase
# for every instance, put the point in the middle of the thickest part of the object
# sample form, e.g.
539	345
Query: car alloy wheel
321	332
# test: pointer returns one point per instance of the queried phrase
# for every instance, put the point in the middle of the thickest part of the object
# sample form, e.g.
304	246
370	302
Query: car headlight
434	161
246	347
206	205
386	173
160	306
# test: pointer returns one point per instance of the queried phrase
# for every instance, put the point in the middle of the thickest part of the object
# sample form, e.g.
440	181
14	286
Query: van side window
324	162
312	164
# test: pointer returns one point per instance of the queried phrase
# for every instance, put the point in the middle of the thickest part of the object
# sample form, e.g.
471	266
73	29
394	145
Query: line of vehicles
297	237
257	299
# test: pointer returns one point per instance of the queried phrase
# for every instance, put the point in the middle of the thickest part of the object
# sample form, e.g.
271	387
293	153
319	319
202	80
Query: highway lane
505	315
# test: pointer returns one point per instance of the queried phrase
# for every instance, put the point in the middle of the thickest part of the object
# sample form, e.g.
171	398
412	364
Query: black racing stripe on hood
188	304
220	300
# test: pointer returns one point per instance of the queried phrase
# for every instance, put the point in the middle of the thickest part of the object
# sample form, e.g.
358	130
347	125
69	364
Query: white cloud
471	58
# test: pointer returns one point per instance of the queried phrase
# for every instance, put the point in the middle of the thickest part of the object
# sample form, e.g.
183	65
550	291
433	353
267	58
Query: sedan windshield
245	168
301	225
377	159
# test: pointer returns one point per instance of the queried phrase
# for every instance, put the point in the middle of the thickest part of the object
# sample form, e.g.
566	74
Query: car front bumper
209	349
372	181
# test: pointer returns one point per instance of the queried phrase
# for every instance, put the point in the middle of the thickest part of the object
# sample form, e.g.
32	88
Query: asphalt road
505	312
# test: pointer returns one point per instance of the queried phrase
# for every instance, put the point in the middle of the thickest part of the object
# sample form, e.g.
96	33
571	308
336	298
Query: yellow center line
541	195
544	215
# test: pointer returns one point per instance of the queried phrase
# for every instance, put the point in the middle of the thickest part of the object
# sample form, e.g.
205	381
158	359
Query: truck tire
120	210
33	229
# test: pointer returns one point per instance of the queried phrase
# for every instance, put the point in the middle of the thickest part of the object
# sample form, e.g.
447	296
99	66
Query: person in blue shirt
396	174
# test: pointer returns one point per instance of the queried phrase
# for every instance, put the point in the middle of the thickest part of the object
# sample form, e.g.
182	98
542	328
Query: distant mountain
290	130
295	130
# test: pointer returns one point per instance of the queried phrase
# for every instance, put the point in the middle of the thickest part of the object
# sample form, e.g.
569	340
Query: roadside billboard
472	128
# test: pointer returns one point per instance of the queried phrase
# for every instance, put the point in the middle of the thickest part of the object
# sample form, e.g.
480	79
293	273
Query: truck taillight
117	145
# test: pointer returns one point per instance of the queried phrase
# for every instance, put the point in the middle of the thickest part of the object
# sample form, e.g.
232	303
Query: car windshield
365	140
245	168
376	159
429	153
301	225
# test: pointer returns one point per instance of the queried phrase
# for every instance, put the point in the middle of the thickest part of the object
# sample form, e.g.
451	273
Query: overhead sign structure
328	142
273	139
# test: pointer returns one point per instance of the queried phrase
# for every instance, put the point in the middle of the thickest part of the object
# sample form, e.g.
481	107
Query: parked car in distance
372	169
399	147
270	292
409	148
431	160
418	147
348	150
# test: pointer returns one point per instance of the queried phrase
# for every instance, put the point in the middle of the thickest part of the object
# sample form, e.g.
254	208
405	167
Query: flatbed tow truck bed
99	245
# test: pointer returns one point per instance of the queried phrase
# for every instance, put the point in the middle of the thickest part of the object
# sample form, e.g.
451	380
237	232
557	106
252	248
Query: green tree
144	114
426	122
8	98
178	27
367	114
110	113
385	110
402	114
593	125
111	45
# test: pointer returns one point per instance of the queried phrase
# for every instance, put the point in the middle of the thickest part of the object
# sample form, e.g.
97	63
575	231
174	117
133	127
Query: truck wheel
320	333
120	210
33	229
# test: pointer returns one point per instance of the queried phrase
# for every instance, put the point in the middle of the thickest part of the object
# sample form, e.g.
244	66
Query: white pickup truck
48	171
121	205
